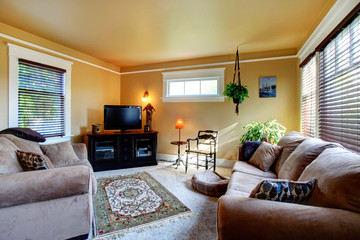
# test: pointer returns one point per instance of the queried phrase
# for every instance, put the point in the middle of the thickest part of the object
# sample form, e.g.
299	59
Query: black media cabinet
114	150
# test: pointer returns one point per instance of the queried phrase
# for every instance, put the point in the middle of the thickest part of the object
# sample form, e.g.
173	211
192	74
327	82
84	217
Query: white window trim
190	75
17	52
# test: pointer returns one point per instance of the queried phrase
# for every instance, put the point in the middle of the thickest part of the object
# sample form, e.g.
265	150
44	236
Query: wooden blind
308	98
41	105
339	88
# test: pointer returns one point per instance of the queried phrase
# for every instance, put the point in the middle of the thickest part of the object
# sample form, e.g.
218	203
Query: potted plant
269	131
237	92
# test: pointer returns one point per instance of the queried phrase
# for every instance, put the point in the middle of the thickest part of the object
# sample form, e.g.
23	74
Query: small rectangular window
203	85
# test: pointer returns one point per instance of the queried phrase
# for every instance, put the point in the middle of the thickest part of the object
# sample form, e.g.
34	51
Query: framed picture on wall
267	87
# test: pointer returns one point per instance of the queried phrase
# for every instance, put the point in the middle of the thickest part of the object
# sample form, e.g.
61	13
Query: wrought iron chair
205	146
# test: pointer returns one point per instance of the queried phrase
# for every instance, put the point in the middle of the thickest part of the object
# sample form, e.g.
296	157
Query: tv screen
121	117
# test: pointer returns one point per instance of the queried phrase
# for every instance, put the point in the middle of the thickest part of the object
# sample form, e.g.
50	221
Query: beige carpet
202	226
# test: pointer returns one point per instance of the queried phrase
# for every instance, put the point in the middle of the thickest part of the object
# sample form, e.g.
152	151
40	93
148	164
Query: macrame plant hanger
237	70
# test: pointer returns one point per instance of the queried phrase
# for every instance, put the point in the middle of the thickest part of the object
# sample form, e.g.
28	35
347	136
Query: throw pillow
249	149
283	190
25	133
31	161
60	154
265	156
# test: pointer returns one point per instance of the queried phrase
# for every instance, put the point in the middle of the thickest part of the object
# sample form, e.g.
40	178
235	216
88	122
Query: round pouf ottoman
210	183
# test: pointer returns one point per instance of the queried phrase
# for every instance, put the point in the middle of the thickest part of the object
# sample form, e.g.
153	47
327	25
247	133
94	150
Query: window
39	93
339	88
337	71
205	85
308	98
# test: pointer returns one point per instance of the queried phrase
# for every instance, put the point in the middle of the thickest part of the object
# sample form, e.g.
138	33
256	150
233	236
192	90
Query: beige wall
218	116
91	87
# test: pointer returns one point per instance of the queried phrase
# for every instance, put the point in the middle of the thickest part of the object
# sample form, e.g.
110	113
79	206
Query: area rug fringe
141	228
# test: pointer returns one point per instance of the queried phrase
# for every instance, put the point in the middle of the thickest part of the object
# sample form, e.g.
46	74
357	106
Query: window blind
308	98
41	104
339	88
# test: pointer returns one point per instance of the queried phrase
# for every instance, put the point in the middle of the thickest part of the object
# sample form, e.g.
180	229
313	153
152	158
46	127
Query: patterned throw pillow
31	161
283	190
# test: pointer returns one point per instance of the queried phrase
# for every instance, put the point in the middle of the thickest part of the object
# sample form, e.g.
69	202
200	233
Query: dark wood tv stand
114	150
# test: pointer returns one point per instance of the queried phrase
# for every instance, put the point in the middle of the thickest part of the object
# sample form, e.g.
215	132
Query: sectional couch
55	203
332	210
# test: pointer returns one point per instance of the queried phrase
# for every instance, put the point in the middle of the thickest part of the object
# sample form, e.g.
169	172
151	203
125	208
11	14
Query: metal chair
205	146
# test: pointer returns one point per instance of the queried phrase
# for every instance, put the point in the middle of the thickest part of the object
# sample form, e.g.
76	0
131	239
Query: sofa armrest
42	185
80	150
247	218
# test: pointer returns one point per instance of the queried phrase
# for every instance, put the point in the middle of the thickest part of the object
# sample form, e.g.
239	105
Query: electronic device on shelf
122	117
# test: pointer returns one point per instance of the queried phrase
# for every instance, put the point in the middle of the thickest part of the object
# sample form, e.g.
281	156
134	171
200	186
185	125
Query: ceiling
137	32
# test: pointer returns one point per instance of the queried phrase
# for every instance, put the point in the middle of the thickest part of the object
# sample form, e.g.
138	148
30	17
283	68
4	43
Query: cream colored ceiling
137	32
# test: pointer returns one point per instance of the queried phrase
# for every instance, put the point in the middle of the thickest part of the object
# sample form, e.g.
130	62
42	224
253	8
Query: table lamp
179	125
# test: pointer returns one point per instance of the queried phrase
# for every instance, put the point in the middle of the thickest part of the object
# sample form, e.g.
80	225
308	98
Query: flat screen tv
122	117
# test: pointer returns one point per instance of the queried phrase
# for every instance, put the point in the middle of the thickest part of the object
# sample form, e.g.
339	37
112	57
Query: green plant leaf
270	130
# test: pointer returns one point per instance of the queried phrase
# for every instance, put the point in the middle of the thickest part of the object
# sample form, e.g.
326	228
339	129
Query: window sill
52	140
194	99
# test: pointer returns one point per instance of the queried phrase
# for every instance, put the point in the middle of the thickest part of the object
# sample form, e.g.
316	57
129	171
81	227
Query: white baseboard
172	158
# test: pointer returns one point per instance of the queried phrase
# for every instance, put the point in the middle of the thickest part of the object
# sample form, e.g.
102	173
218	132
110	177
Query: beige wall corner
91	87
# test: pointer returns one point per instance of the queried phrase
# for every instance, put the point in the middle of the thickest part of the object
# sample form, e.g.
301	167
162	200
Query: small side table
179	144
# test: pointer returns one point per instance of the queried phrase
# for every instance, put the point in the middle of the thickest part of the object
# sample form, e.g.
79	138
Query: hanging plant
234	90
237	93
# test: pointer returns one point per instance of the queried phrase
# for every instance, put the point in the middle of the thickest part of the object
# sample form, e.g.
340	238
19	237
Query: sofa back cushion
302	156
61	154
8	159
28	146
289	142
24	145
338	174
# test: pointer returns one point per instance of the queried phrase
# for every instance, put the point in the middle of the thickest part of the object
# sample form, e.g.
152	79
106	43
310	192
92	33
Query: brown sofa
55	203
332	211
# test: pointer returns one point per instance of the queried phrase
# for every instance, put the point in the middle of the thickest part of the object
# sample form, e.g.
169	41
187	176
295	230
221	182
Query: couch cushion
249	148
28	146
247	168
302	156
243	182
31	161
289	142
24	145
338	174
283	190
61	154
8	159
265	155
233	192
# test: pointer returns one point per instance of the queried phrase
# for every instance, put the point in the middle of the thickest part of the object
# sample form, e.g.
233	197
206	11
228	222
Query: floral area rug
133	203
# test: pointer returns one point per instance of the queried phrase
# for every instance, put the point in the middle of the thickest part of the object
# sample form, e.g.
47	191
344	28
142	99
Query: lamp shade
179	123
145	96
